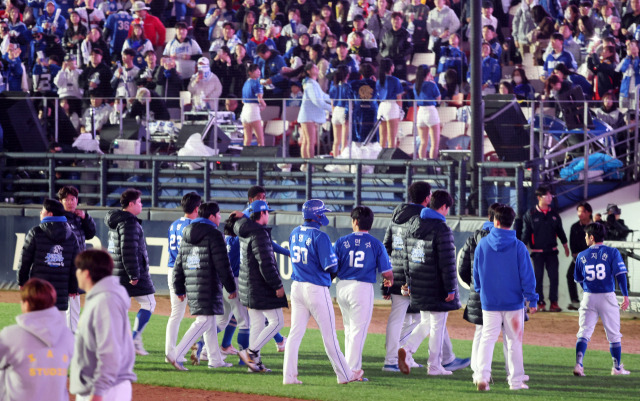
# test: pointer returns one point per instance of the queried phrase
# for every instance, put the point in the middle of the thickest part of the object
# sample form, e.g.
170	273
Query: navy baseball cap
259	206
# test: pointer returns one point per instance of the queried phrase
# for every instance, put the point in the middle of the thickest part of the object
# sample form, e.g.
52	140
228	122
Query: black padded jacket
473	310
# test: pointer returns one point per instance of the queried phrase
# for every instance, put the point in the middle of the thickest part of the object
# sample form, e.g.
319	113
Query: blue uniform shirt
118	27
251	90
233	250
175	238
312	255
360	257
597	269
391	89
340	93
429	92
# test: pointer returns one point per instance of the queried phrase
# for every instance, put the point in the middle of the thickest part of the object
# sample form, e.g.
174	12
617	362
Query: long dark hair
421	75
342	72
385	68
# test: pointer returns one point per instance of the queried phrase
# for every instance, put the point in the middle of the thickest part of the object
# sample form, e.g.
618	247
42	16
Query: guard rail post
259	174
155	184
104	172
519	189
51	180
207	184
480	191
408	177
308	183
358	193
585	188
452	185
462	185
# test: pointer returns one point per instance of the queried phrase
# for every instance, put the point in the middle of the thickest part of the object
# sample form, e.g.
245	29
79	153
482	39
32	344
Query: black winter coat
128	249
540	230
473	310
202	268
49	253
432	265
259	275
84	229
395	246
396	45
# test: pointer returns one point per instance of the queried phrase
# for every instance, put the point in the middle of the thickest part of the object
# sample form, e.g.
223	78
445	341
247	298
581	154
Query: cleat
541	306
554	307
520	386
222	365
178	365
248	358
390	368
483	386
230	350
438	371
295	381
619	371
403	363
281	344
139	347
578	370
196	352
574	306
458	363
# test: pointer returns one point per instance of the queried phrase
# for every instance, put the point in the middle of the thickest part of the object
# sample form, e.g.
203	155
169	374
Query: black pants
573	289
548	260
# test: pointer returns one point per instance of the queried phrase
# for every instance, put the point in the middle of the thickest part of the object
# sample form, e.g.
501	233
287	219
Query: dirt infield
544	329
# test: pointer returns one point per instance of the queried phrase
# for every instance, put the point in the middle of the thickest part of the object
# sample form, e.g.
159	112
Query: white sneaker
138	346
413	363
280	346
578	370
619	371
438	371
521	386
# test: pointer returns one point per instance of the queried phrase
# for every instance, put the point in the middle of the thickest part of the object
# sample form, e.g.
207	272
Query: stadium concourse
544	329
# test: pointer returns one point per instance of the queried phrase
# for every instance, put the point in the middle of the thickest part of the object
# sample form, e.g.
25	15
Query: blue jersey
312	255
360	257
391	89
117	26
340	94
175	238
429	93
233	250
250	91
598	267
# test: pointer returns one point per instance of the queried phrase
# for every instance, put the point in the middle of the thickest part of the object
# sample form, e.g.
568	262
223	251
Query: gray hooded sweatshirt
34	357
104	354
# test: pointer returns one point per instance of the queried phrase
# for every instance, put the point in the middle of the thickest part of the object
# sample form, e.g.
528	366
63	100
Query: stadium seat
423	58
270	113
405	128
410	114
292	113
171	33
452	129
447	114
201	10
537	84
273	127
507	72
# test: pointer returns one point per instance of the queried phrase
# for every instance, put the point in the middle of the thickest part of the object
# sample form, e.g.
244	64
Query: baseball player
189	203
597	268
360	256
313	262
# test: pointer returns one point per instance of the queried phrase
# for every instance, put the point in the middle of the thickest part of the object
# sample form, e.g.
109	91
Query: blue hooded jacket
502	272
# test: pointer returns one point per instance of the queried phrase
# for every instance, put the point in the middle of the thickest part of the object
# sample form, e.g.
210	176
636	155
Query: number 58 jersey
360	257
312	255
597	268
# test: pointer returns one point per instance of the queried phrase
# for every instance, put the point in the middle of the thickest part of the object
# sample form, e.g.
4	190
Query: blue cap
259	206
37	29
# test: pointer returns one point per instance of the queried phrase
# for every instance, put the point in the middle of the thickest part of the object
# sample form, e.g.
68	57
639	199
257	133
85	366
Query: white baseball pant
177	314
513	324
400	324
233	307
204	325
309	300
120	392
442	346
477	336
259	333
605	306
355	299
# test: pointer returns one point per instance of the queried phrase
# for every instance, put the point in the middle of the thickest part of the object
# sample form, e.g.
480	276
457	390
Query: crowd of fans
104	58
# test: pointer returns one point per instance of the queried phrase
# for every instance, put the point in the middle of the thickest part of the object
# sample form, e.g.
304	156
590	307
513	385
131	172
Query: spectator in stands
370	41
205	87
505	88
298	55
427	94
320	32
342	58
67	80
570	45
272	64
169	82
294	28
559	55
14	74
552	8
441	23
616	229
390	110
94	41
157	107
489	35
138	43
630	69
340	94
245	33
154	30
43	75
609	112
357	49
148	76
585	32
222	67
614	30
277	13
259	38
306	9
252	97
241	63
452	57
417	24
379	22
314	110
217	18
48	44
523	24
48	21
315	56
185	51
396	45
491	71
365	108
247	7
274	33
116	30
604	67
228	39
90	16
74	35
521	86
631	18
564	73
96	116
487	17
539	37
96	76
123	79
554	88
18	30
451	88
571	15
328	17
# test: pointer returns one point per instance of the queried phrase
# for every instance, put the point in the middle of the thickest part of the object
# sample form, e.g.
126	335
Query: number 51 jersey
360	257
597	268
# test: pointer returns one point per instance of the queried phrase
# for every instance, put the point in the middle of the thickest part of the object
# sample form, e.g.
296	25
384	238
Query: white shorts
339	116
389	110
250	113
428	116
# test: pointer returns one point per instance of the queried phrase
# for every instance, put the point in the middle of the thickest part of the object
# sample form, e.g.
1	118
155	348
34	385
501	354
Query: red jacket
154	30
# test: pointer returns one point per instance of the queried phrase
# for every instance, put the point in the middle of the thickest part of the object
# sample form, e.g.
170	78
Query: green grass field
550	370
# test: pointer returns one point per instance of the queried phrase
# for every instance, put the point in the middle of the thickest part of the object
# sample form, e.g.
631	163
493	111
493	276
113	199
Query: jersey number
596	272
356	258
299	254
123	25
174	242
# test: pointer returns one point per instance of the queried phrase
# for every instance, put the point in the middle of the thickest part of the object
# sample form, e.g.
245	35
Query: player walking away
503	276
190	203
313	263
597	268
84	228
48	253
541	227
40	331
360	255
201	270
260	285
432	281
104	325
473	310
128	249
577	245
